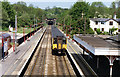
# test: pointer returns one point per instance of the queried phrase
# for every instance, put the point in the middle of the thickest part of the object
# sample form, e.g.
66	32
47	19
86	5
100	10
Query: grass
0	28
26	30
19	30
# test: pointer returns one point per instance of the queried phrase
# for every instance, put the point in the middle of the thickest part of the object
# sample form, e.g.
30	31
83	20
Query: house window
96	22
102	29
118	30
95	29
102	22
111	23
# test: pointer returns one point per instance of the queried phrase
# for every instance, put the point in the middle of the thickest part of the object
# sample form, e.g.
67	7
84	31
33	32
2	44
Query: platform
98	46
16	60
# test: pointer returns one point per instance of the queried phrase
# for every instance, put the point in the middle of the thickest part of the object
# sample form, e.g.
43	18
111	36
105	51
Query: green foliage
118	9
25	14
113	29
99	10
90	31
79	8
8	14
98	31
105	33
76	12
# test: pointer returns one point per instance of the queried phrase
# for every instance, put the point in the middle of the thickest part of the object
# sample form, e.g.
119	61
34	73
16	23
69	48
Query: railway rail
44	63
86	69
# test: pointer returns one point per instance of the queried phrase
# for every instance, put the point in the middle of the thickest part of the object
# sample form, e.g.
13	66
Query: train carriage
59	41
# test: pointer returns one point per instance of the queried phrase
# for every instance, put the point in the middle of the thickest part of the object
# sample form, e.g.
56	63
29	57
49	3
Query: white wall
93	25
106	25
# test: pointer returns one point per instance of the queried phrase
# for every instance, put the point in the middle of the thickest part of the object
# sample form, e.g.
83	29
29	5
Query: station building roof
98	46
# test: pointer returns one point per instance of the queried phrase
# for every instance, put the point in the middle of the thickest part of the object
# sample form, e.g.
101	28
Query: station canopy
98	46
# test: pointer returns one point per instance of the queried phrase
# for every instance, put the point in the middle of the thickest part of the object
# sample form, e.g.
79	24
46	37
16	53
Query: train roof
56	32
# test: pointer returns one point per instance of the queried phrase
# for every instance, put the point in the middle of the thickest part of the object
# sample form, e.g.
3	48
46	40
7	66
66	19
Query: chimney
114	16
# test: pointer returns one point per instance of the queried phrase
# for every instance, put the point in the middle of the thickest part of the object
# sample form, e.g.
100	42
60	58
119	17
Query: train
59	41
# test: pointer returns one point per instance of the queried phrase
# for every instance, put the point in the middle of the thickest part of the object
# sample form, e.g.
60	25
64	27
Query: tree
113	8
80	17
99	10
118	9
5	19
10	12
79	8
112	30
25	15
98	31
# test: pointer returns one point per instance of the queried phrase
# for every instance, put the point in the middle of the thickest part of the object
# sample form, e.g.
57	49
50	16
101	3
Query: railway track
62	67
36	66
43	63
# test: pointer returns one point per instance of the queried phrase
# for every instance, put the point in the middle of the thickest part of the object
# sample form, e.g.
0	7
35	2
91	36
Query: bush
112	30
98	31
90	31
105	33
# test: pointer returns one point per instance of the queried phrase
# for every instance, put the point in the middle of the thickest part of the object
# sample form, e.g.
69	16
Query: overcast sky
58	3
60	0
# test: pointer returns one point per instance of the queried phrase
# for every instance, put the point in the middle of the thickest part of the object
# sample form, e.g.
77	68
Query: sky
60	0
58	3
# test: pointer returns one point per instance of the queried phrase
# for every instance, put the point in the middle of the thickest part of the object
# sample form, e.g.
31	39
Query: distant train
59	41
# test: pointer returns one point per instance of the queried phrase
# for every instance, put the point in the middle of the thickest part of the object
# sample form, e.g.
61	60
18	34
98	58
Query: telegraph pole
85	27
42	18
15	32
34	23
84	23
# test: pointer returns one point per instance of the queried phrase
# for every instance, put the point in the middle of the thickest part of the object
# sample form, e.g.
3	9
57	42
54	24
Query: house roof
104	19
118	20
99	19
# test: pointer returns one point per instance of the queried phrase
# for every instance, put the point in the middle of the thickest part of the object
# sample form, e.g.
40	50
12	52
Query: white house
105	24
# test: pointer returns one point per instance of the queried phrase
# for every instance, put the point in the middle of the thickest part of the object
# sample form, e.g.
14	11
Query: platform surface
16	60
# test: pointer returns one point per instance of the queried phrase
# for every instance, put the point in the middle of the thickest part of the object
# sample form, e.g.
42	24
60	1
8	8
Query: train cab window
60	41
64	41
55	41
